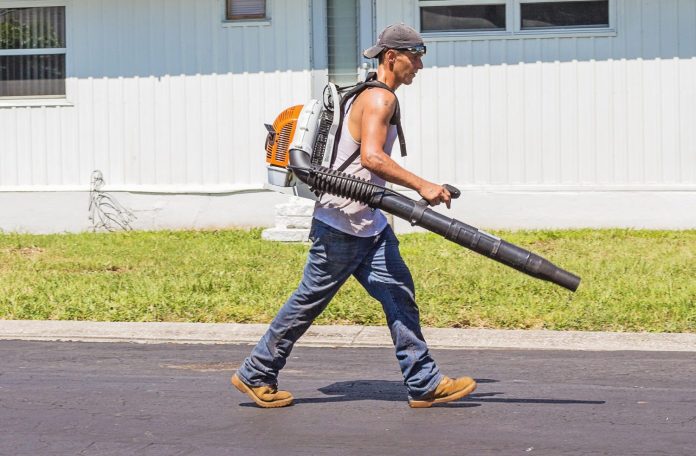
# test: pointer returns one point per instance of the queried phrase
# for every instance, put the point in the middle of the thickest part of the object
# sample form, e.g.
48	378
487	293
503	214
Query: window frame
244	21
513	23
41	100
508	16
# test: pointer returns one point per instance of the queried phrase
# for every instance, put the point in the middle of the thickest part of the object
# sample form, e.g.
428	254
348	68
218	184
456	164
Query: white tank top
343	214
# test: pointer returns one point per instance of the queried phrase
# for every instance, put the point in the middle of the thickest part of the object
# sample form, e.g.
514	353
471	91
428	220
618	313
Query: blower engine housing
310	128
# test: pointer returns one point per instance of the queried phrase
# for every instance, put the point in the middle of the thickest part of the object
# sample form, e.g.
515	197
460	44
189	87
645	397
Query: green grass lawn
632	280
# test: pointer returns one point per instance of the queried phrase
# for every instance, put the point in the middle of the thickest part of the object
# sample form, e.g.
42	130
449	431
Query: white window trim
246	22
42	100
33	51
512	22
34	102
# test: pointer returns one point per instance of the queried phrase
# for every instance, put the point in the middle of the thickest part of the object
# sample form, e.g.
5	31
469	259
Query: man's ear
390	57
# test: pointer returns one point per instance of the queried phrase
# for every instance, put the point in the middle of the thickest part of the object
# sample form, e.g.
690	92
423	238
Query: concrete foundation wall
57	212
550	210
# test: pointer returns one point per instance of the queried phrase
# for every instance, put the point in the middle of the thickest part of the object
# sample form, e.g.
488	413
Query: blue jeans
377	264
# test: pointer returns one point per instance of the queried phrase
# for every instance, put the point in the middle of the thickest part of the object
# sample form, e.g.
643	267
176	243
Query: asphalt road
60	398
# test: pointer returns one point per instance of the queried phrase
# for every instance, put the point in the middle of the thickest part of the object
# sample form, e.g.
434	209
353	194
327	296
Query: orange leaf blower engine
311	128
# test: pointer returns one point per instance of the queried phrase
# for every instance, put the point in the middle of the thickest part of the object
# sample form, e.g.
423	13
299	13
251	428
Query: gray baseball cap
395	36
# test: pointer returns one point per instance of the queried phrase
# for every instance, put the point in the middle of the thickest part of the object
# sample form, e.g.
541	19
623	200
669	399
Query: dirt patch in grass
31	251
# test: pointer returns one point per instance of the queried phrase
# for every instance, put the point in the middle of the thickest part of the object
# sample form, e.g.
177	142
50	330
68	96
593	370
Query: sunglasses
419	50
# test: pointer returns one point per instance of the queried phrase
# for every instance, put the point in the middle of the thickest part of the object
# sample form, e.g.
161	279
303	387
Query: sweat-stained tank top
343	214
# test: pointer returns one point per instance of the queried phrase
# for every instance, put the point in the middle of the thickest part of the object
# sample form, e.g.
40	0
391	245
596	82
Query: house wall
538	132
160	94
615	111
563	118
169	102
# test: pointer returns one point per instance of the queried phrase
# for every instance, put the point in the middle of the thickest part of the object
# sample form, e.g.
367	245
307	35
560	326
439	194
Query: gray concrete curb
340	336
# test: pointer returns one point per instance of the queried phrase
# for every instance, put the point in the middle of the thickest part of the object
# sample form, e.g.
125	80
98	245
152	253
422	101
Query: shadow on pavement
486	397
386	390
383	390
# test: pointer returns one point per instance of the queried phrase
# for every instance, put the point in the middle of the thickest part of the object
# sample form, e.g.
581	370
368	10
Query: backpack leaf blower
296	149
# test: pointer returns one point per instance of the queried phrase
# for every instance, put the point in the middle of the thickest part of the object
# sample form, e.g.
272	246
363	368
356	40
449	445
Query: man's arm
378	109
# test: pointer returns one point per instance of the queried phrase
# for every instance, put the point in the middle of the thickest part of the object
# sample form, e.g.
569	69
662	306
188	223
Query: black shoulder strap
396	118
371	81
348	161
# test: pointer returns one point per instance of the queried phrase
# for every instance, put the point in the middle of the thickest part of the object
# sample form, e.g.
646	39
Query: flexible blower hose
337	183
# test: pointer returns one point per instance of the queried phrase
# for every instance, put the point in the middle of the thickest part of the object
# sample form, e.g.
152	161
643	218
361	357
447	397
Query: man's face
406	65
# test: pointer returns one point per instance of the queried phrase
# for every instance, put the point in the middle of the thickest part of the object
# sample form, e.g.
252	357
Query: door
349	31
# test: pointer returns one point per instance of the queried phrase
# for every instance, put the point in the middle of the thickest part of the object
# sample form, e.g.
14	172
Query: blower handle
454	193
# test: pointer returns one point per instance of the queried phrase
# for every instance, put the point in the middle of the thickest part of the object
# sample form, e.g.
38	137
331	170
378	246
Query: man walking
350	238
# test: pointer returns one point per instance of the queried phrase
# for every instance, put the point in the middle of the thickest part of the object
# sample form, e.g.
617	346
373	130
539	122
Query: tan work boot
264	396
446	391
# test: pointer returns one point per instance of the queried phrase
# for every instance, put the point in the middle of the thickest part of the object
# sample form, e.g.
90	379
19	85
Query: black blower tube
321	179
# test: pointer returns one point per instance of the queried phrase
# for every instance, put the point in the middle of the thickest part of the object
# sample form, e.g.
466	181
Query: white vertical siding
581	112
162	93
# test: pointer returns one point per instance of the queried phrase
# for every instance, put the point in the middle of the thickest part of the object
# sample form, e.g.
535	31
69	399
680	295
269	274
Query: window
542	15
32	52
462	17
246	9
511	17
